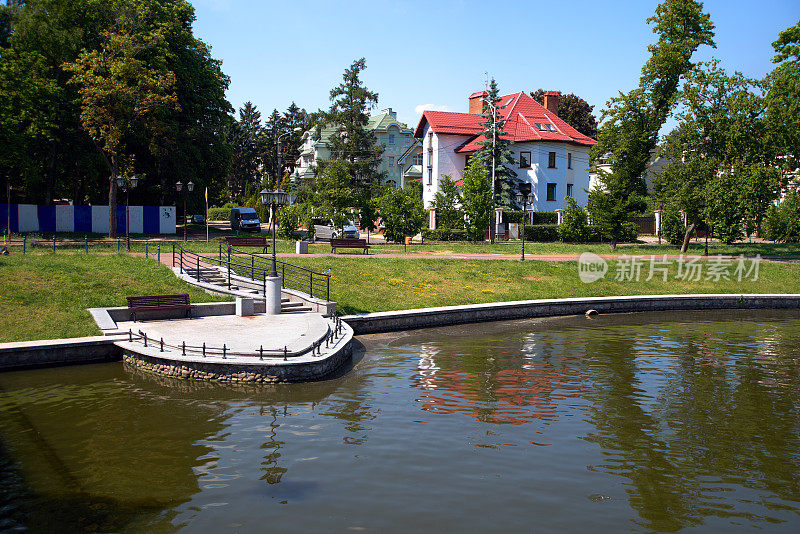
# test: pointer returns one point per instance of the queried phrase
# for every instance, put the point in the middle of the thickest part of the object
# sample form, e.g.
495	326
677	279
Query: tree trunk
112	207
688	236
613	243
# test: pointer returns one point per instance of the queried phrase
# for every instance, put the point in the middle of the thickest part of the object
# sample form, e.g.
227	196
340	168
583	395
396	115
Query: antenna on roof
486	80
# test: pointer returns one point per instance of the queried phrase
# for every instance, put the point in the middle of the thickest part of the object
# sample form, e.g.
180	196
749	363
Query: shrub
672	228
403	214
543	233
782	222
445	234
512	216
544	217
288	221
219	214
574	228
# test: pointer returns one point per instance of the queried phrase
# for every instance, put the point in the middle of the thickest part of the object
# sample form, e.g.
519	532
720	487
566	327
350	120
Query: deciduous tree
574	110
477	199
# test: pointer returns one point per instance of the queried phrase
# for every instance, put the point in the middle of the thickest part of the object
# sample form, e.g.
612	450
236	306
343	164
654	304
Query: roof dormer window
540	126
550	127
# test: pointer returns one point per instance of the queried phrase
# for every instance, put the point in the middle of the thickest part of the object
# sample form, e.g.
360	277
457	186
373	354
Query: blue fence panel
120	219
83	219
151	223
47	218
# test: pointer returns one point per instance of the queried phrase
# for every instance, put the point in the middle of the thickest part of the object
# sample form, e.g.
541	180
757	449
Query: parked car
198	219
325	229
245	219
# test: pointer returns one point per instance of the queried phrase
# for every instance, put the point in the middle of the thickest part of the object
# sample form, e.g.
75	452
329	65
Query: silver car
324	229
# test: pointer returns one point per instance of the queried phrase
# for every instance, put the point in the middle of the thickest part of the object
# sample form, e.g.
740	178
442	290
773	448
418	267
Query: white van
245	219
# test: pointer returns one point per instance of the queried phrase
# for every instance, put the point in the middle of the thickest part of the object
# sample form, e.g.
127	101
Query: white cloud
430	107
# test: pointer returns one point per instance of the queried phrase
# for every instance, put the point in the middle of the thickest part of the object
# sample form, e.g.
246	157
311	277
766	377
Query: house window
430	176
406	141
391	161
551	191
569	160
569	190
551	160
391	139
418	159
524	160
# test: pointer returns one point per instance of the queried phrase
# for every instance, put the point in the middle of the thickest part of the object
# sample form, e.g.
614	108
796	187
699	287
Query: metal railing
256	268
292	276
206	350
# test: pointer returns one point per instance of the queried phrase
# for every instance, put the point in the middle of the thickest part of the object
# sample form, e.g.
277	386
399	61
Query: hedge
543	233
545	217
219	214
445	234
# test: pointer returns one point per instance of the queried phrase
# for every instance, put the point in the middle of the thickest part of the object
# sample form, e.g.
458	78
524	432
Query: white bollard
301	247
272	295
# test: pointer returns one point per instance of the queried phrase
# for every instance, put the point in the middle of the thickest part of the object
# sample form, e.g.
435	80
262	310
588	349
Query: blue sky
434	53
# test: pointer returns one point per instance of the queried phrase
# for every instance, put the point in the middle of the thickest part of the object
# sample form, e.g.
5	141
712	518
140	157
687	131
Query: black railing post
253	267
220	252
146	249
265	283
24	242
328	289
181	265
117	244
198	268
86	242
54	243
173	254
311	283
159	253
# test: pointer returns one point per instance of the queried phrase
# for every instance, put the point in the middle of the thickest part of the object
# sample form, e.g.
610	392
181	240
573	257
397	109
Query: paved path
295	331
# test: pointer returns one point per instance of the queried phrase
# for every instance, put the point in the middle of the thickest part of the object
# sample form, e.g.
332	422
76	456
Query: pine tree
352	143
494	143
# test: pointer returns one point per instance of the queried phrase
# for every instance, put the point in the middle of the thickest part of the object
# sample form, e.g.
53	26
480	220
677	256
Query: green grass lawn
381	284
46	296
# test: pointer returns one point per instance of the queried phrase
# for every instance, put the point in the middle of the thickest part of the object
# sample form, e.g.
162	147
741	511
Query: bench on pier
159	303
349	243
235	241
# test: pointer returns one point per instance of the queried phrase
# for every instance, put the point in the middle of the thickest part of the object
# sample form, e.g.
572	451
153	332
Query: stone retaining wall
54	352
372	323
190	370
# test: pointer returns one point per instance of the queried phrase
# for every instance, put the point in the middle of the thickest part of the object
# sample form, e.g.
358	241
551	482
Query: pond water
626	423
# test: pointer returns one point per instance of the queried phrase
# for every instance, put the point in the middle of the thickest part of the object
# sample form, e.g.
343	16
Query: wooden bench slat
349	243
158	302
236	241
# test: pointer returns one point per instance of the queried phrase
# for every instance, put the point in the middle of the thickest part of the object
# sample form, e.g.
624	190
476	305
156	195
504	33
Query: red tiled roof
522	113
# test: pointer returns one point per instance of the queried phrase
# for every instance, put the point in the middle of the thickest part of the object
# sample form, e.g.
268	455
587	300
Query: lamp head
190	186
120	180
134	180
179	186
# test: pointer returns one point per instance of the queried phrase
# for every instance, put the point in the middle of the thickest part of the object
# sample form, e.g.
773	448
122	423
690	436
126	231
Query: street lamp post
524	197
189	188
278	157
121	184
660	218
275	199
703	207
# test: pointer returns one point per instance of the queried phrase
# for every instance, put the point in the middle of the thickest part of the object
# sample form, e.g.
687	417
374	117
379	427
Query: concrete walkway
244	335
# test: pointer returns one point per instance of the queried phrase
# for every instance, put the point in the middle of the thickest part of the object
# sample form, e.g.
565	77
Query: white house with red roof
549	153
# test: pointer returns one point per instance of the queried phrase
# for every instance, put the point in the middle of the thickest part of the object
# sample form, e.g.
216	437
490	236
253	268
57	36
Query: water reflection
500	380
653	423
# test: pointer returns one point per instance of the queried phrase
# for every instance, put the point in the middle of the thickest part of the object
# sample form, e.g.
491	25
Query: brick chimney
476	102
551	101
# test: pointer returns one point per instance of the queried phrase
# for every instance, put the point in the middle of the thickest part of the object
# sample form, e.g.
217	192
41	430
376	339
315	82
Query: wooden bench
158	303
237	241
349	243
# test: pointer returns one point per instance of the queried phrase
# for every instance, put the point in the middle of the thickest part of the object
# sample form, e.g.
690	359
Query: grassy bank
382	284
46	296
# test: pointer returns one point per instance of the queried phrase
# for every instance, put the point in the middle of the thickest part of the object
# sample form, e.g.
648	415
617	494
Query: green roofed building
402	154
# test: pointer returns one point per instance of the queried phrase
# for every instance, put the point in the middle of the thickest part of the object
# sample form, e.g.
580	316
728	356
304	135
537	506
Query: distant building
402	155
548	153
655	165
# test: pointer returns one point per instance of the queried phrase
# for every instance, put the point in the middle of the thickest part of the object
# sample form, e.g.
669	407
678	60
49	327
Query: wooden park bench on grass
236	241
158	303
349	243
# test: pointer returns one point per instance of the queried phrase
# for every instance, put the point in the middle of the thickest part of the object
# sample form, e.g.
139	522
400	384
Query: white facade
571	168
